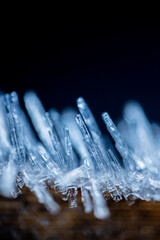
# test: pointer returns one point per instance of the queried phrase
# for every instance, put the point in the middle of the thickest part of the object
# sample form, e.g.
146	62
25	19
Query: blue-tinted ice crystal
70	154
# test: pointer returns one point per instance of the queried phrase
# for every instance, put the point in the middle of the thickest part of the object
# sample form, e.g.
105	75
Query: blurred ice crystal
70	154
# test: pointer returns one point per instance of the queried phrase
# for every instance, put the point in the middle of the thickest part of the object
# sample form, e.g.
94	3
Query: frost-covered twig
71	154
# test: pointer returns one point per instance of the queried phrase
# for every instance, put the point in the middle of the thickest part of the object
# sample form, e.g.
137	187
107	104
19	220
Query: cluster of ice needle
69	154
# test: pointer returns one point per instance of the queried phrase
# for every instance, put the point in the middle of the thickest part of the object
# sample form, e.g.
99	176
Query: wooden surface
24	218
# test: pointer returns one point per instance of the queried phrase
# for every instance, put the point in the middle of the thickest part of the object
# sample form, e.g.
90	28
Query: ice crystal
70	154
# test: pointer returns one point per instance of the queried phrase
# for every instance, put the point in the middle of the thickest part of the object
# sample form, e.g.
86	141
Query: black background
106	63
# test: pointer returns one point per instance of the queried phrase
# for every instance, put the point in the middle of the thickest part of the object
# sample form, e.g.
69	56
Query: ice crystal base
71	155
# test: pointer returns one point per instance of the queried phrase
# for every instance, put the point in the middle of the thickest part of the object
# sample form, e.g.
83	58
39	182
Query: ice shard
71	155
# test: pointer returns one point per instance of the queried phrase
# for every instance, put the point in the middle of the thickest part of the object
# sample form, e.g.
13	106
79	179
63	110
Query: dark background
107	63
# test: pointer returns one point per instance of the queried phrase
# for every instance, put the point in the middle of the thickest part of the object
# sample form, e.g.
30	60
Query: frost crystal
70	154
